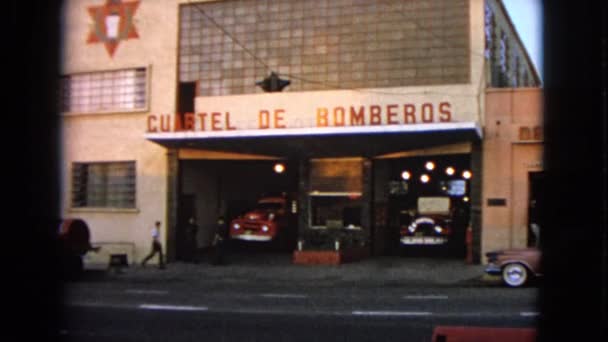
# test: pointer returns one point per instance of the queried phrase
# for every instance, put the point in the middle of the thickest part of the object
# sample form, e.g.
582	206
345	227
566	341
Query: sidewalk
278	269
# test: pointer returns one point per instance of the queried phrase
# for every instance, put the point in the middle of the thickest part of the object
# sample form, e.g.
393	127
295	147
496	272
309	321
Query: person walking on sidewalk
217	257
157	247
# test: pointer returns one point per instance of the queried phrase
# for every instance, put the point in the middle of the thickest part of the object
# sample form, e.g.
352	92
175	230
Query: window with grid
104	91
103	185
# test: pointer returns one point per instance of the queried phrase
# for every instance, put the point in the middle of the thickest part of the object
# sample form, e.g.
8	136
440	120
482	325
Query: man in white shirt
156	247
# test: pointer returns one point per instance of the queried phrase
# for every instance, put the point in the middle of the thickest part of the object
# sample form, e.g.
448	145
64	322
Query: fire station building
363	114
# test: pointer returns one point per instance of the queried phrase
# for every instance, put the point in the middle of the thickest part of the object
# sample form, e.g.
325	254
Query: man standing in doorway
156	247
221	234
191	245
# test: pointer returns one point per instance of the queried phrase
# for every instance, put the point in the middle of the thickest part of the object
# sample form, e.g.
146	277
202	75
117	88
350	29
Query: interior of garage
228	188
210	187
397	189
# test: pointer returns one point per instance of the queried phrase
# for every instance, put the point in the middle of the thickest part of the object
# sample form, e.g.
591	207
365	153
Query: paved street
374	300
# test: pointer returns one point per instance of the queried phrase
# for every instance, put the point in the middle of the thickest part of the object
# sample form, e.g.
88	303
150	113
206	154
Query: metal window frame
117	192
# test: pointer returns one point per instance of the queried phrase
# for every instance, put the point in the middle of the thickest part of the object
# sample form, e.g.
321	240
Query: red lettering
215	121
445	112
538	133
375	118
427	113
165	123
203	118
152	129
322	117
189	121
228	127
177	123
409	112
264	119
357	118
391	114
278	117
524	133
339	116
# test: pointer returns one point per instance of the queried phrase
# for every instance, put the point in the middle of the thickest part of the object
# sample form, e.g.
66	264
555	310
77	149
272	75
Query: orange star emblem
113	22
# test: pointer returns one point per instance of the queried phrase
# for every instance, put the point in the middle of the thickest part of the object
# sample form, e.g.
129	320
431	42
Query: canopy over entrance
324	142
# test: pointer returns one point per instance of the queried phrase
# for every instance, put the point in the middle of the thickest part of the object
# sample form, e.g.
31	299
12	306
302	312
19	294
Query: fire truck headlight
264	228
236	226
412	227
270	216
438	229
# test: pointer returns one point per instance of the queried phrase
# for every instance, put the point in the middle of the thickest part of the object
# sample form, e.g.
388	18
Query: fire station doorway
230	188
422	205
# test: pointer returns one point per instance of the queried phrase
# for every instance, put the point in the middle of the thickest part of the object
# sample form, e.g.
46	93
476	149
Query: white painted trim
392	313
146	292
316	131
283	295
423	297
172	307
334	194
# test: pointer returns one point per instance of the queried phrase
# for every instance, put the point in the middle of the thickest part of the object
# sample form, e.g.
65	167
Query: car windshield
270	206
434	205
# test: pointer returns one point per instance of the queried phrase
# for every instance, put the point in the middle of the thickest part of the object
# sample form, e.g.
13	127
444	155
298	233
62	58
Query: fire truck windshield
270	206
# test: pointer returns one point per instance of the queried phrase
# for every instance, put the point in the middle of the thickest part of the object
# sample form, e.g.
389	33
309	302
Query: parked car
268	220
515	266
429	224
75	242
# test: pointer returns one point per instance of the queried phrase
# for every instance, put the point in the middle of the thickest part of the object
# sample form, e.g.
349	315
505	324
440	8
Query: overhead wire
232	37
324	83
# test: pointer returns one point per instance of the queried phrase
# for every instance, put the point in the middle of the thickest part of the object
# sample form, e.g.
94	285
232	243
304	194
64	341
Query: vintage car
515	266
430	224
74	242
265	222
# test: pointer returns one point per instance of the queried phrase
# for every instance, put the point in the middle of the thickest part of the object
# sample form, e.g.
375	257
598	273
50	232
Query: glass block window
119	90
489	27
503	52
517	72
323	44
103	185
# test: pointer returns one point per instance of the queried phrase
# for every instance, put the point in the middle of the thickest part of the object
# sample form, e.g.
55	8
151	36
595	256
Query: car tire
515	274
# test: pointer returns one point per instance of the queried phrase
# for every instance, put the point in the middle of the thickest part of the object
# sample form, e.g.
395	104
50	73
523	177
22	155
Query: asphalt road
182	311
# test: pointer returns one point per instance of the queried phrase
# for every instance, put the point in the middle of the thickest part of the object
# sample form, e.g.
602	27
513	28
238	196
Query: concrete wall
443	56
512	147
118	136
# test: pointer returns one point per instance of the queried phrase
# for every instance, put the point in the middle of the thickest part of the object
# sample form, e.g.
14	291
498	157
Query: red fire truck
271	218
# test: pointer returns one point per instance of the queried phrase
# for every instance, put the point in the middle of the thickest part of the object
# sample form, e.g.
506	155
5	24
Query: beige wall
507	160
119	136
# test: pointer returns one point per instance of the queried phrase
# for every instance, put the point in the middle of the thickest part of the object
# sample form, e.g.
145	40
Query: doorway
187	210
536	191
